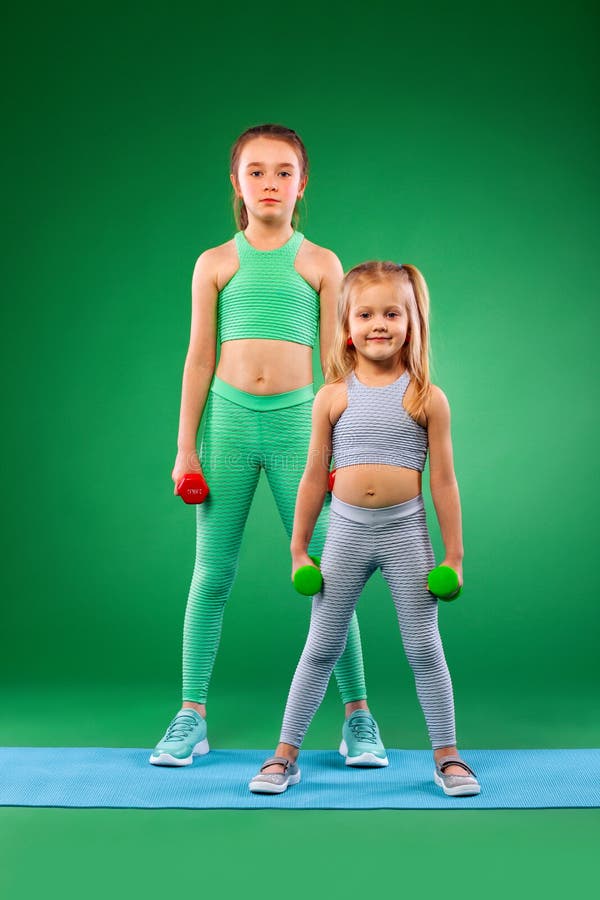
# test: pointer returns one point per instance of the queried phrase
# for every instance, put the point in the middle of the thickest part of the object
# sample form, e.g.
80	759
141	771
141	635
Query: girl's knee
423	650
214	581
324	654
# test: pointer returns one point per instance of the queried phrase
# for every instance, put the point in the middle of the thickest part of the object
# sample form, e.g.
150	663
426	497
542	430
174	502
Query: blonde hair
275	132
415	352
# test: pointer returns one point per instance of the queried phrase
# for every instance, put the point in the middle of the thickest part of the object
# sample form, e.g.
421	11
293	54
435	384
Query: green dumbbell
443	583
308	579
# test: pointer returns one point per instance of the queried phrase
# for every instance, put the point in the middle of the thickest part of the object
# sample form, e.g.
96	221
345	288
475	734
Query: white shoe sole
365	759
464	790
165	759
266	787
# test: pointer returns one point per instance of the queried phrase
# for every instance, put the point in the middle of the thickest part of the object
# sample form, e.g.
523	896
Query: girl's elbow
205	361
316	480
443	483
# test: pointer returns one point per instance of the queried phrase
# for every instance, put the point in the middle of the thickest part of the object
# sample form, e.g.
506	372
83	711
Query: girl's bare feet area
449	751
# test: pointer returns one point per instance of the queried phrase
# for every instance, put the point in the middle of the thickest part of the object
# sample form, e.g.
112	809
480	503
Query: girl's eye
258	172
362	315
393	314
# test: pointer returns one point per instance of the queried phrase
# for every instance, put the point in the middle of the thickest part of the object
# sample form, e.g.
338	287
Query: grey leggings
359	541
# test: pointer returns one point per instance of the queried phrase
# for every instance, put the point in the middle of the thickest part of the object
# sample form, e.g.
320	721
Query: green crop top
267	297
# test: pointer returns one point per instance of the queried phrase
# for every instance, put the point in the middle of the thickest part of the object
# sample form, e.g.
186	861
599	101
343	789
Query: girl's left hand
300	559
457	566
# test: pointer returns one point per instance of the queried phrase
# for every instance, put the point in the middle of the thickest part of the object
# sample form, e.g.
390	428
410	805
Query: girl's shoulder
219	263
333	399
321	268
323	257
212	256
436	406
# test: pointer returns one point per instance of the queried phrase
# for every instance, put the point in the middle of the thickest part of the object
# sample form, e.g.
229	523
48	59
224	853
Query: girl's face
268	179
378	319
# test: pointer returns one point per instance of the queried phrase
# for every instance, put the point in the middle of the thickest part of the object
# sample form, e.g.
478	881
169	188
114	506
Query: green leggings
244	433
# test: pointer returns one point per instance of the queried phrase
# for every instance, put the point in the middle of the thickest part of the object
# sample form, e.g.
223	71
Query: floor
269	853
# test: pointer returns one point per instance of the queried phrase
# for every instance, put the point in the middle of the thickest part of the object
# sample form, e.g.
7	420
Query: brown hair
415	352
276	132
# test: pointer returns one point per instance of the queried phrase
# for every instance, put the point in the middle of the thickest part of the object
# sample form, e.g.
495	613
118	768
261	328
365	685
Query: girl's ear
302	186
235	185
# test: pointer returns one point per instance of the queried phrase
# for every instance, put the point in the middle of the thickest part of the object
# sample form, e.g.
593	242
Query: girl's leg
406	557
231	464
346	567
285	435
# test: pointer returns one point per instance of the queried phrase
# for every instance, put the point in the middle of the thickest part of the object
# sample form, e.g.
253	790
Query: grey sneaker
455	785
184	738
275	782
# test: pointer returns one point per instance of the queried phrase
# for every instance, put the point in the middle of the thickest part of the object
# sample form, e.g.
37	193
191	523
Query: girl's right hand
186	461
300	559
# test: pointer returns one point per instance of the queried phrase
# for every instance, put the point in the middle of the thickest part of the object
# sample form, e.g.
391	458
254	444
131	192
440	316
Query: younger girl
377	415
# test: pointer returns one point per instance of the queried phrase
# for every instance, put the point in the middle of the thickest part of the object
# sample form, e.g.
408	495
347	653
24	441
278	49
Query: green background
457	137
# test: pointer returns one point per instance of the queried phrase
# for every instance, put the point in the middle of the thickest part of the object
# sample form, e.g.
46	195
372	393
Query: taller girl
264	295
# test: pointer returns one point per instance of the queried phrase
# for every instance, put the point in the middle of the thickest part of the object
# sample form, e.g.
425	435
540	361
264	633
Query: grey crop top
376	428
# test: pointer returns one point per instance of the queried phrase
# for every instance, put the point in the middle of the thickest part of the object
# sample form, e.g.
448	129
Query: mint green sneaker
361	744
184	738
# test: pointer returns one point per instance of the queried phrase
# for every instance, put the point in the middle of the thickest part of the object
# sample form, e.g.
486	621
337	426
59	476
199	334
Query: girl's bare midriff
374	485
260	366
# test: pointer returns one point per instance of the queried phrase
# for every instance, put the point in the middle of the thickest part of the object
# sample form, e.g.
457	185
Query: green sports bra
267	297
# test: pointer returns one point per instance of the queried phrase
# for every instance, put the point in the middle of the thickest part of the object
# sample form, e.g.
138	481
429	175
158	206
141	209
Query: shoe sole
266	787
165	759
458	791
365	759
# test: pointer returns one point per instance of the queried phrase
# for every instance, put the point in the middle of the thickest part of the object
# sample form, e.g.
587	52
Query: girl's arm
199	364
314	482
331	283
442	480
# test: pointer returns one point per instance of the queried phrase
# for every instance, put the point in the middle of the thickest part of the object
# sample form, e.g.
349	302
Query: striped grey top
376	428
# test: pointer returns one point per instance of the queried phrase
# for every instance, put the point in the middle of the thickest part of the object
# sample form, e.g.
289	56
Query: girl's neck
374	373
268	237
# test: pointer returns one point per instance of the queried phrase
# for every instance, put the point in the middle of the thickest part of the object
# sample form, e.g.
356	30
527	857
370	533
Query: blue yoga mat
97	777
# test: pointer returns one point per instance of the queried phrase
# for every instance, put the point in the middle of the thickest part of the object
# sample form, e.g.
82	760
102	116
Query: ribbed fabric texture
122	777
267	297
376	428
237	443
262	402
353	551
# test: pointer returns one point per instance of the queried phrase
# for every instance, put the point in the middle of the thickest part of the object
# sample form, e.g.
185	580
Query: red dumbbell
331	480
192	488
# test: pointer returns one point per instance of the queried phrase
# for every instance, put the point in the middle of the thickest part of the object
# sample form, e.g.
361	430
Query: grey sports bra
376	428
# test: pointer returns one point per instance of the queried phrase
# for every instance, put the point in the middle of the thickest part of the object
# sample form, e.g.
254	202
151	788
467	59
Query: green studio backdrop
450	141
457	136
